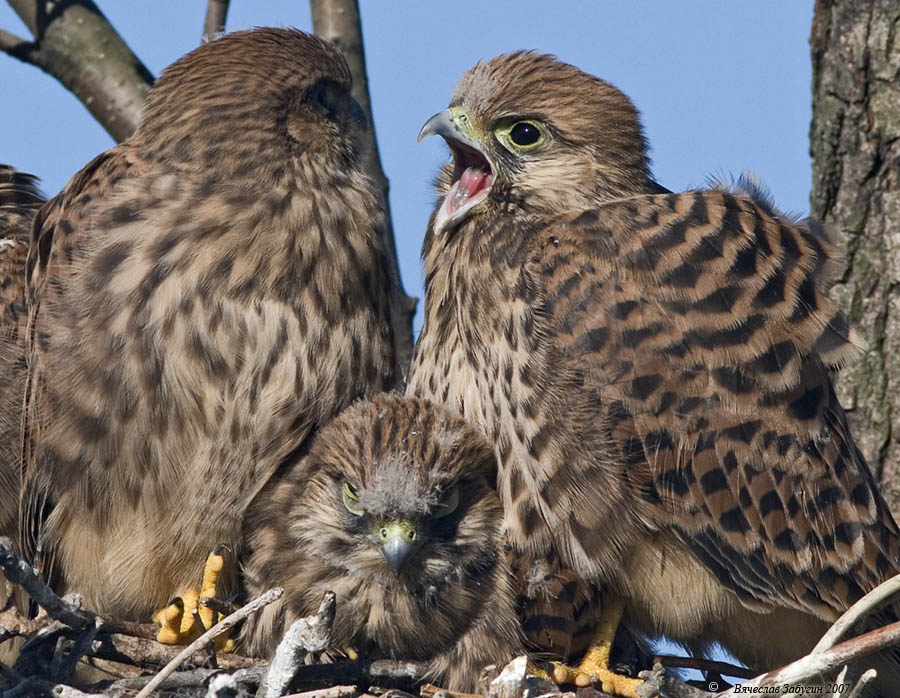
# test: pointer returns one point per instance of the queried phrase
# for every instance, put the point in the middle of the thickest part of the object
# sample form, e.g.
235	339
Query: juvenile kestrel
654	370
203	297
393	509
19	201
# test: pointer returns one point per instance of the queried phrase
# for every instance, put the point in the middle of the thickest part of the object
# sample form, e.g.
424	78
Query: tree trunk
855	145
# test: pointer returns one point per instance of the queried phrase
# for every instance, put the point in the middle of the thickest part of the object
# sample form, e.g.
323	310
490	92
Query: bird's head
531	134
251	104
399	514
408	485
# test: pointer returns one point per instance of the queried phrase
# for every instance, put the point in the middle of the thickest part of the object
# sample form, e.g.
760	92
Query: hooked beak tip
396	552
441	124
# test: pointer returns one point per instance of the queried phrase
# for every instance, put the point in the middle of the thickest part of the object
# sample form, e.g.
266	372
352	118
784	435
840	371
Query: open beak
472	172
398	540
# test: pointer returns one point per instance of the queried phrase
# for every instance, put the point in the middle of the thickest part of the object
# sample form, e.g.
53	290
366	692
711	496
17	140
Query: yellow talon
595	665
169	619
177	619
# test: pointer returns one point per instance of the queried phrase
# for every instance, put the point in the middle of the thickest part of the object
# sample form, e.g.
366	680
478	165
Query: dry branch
74	42
19	572
338	21
304	636
216	12
705	665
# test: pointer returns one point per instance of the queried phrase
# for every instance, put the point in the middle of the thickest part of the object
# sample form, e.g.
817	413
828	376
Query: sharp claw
185	618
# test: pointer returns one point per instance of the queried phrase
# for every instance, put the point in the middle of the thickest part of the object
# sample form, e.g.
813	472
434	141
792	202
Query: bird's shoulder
65	221
702	321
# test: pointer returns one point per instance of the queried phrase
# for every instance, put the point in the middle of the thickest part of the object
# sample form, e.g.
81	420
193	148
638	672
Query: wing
61	225
19	201
700	320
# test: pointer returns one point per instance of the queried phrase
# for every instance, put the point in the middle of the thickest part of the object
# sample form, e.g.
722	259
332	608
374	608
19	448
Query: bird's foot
185	618
587	673
595	664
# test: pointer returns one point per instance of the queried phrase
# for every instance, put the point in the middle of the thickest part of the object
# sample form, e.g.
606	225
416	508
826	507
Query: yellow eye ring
351	500
449	504
521	135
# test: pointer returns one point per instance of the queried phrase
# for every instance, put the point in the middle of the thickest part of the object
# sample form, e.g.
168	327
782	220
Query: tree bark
855	144
216	12
76	44
338	21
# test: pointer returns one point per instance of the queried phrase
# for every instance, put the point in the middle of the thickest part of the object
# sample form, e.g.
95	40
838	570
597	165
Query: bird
202	298
393	508
20	199
654	369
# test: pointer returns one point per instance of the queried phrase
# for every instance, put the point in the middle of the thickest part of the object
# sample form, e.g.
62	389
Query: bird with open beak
654	371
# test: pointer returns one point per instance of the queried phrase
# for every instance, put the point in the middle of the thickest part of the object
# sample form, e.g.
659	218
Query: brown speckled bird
19	202
654	370
203	297
393	509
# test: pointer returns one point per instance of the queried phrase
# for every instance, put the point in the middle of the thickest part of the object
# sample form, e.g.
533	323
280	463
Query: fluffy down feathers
451	604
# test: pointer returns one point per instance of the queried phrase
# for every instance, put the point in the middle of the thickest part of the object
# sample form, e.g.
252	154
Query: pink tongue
470	182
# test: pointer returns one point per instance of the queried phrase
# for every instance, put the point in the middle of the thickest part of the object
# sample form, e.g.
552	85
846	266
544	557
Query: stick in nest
219	628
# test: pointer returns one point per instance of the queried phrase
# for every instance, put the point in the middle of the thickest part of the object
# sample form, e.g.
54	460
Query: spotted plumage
654	369
202	298
19	201
448	601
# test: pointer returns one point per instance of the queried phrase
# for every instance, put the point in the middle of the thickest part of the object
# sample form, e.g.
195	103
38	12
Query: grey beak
398	539
397	551
441	124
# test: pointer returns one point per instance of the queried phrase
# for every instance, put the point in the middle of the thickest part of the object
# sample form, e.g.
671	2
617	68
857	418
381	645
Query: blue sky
723	87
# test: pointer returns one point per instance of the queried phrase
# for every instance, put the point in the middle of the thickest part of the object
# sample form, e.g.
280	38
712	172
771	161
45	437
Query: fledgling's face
397	508
531	134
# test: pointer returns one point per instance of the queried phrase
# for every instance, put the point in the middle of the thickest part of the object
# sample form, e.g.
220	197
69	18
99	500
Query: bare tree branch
216	12
10	42
76	44
338	21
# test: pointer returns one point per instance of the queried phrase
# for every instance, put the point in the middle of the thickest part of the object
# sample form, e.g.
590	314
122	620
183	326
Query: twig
876	598
866	678
8	673
81	647
312	634
332	692
218	605
150	654
183	679
658	684
10	42
429	689
216	12
21	573
824	662
219	628
705	665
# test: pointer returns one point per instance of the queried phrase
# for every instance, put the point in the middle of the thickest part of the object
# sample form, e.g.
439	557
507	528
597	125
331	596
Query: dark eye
524	133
